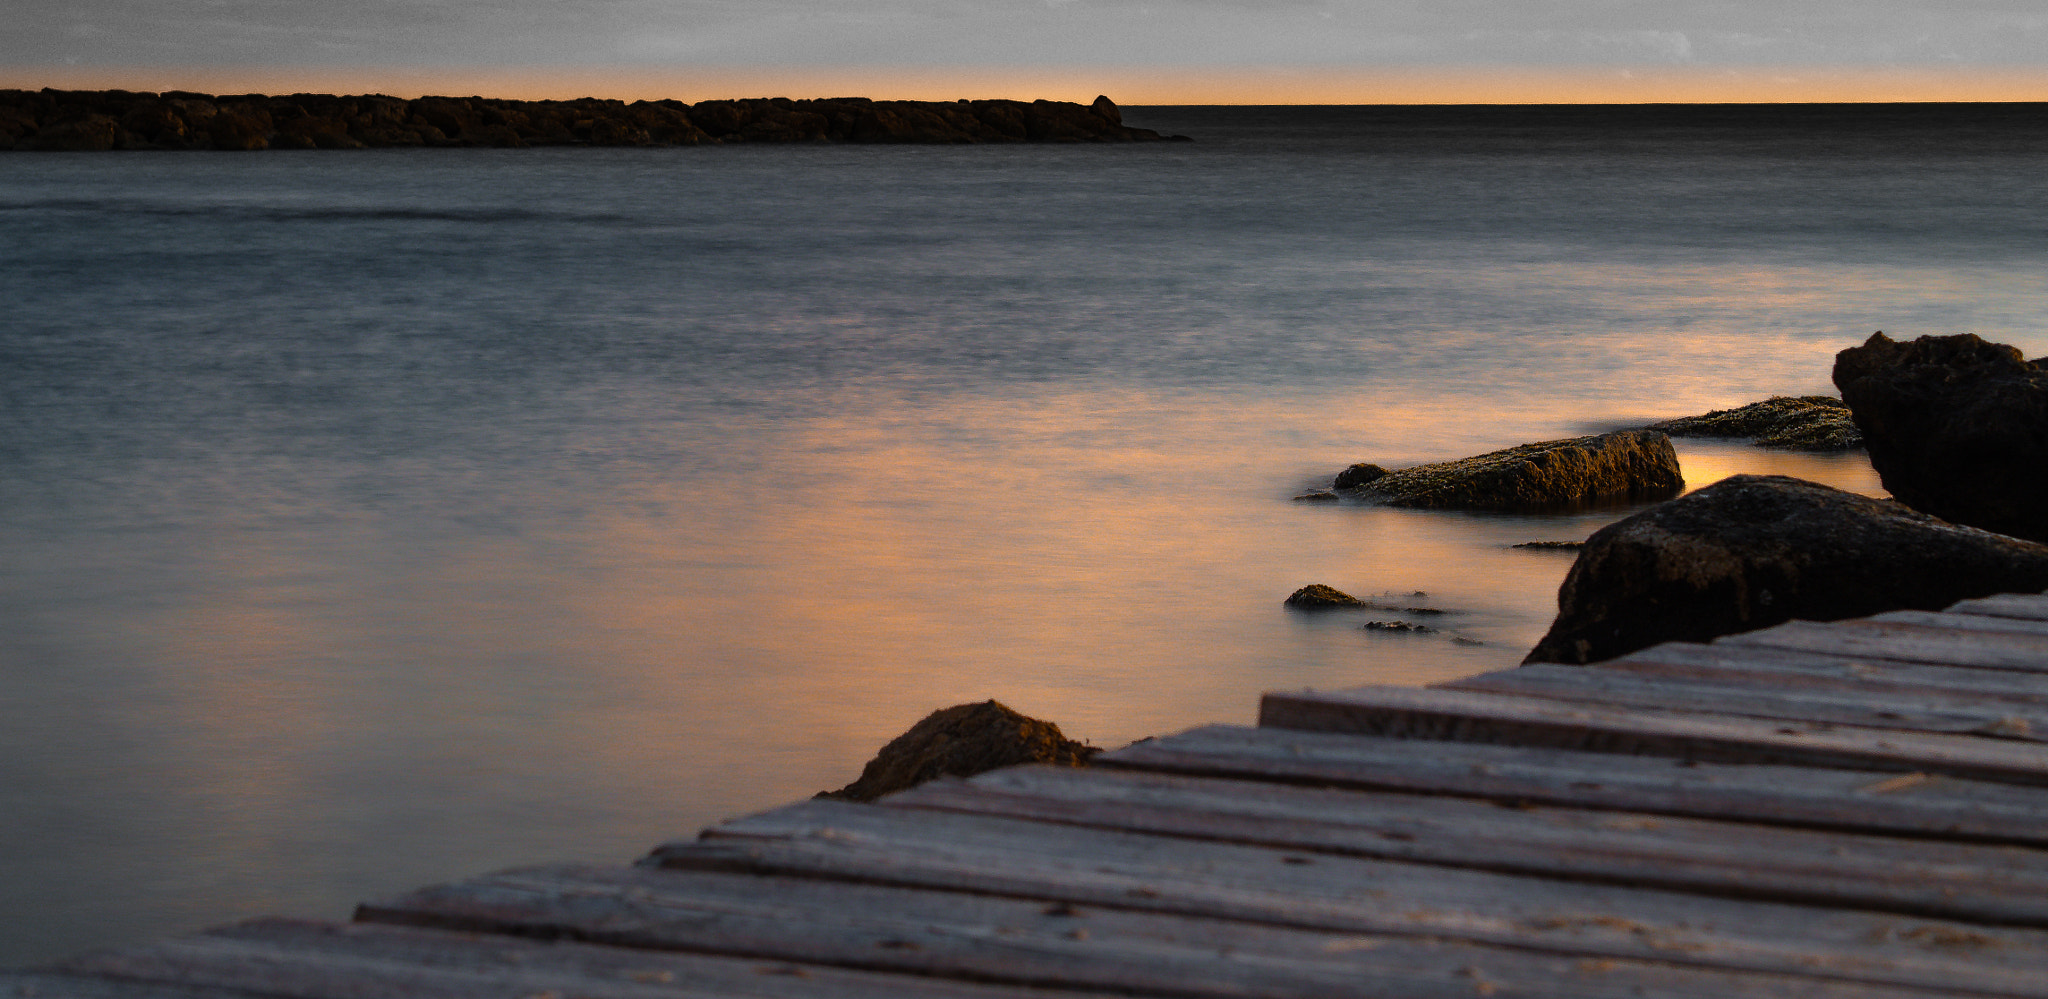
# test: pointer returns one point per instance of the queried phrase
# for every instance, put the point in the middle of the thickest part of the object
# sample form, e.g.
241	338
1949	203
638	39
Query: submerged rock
1317	496
1316	596
962	741
1803	423
1752	551
1400	626
1625	465
1957	427
1551	546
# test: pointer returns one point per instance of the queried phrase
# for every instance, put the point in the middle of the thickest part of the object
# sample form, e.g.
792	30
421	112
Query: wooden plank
2020	605
302	960
838	840
1053	945
1924	711
53	985
1916	805
1788	669
1465	716
1990	884
1905	642
1962	621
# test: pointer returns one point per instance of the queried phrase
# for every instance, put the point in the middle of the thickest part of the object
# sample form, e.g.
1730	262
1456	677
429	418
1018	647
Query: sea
372	519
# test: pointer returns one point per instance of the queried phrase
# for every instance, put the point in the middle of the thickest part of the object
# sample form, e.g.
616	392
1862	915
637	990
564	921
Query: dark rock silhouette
1363	473
95	120
962	741
1752	551
1801	423
1625	465
1957	427
1316	596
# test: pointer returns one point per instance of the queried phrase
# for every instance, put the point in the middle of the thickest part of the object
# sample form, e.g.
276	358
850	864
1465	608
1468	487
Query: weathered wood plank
1053	945
1787	669
301	960
1905	642
1741	860
1464	716
1915	805
1924	711
2020	605
53	985
1962	621
825	839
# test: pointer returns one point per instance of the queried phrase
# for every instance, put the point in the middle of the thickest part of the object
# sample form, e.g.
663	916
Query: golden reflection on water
1116	566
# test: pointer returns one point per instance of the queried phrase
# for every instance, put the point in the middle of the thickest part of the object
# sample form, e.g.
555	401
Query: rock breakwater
101	120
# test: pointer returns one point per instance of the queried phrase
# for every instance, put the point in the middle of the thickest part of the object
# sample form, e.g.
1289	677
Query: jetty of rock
98	120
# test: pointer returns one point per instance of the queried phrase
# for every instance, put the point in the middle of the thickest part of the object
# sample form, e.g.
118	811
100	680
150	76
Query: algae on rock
1627	465
961	741
1801	423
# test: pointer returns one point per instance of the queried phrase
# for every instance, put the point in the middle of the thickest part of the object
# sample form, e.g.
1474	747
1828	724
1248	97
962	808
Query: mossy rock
1801	423
962	741
1627	465
1316	596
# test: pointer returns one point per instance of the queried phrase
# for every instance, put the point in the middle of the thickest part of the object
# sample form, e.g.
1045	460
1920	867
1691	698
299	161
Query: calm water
379	518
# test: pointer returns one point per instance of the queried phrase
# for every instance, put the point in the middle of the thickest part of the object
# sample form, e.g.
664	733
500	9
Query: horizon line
1148	86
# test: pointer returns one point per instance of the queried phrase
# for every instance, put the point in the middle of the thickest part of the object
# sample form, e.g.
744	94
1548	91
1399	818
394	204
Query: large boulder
961	741
1634	465
1800	423
1752	551
1956	426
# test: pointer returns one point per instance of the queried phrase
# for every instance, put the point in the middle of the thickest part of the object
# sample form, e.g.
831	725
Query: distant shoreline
111	120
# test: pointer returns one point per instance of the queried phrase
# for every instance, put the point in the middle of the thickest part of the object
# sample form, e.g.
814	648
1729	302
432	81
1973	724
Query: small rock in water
1358	475
1316	596
1317	496
1555	546
962	741
1419	629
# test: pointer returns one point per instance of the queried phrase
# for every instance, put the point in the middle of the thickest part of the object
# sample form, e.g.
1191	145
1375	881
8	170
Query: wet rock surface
1316	596
962	741
1752	551
1957	427
1628	465
101	120
1800	423
1363	473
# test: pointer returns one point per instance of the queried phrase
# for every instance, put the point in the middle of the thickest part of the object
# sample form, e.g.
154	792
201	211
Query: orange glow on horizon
1130	86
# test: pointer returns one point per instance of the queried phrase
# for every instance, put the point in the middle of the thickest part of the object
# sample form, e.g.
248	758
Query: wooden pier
1855	809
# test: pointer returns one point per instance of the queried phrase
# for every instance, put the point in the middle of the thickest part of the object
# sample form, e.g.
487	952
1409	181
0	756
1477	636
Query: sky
1149	51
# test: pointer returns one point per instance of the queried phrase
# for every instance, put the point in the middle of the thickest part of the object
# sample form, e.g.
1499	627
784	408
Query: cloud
1369	33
